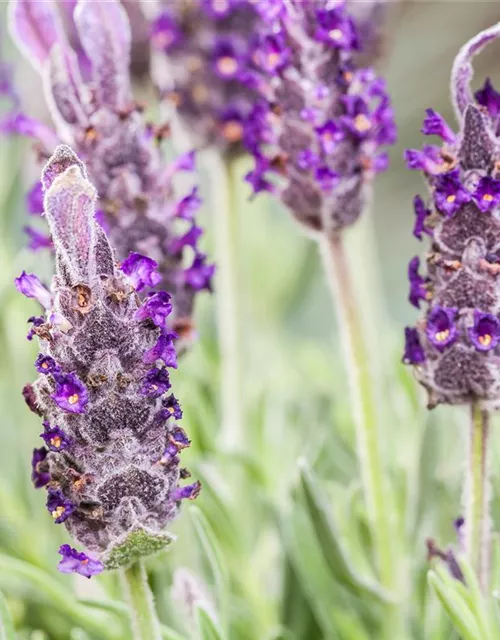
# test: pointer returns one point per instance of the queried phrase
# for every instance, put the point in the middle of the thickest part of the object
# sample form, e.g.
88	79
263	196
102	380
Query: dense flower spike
94	112
107	418
322	120
455	346
204	51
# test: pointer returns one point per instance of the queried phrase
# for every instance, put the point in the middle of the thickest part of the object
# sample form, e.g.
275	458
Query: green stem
477	519
145	623
225	215
375	486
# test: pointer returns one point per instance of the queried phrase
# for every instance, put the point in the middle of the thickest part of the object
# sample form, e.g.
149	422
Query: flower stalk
375	486
145	623
224	198
477	519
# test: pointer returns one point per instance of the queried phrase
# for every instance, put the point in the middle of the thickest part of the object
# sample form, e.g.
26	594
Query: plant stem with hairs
374	482
145	623
477	519
224	210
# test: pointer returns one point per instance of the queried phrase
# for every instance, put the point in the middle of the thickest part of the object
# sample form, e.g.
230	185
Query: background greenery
271	549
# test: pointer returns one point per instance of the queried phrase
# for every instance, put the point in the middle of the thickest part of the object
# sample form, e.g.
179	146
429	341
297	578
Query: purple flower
34	199
172	409
30	286
164	349
421	213
37	240
307	159
257	177
435	125
188	492
226	61
326	178
156	382
40	471
218	8
165	33
184	162
141	270
199	275
36	321
70	393
428	159
58	506
74	561
487	194
488	97
55	438
418	289
178	437
232	124
272	53
441	329
156	307
188	206
336	29
485	332
329	135
189	239
46	364
414	353
450	194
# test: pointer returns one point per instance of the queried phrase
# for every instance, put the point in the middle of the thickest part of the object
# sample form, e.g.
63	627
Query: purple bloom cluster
455	346
94	112
205	50
322	120
111	457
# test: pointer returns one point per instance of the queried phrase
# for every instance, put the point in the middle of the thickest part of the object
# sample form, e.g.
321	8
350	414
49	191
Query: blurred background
249	548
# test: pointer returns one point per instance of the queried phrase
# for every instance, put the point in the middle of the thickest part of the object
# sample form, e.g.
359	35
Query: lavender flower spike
458	337
107	417
95	113
322	121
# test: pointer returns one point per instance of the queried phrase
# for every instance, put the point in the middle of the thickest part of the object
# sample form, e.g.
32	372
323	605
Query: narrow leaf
6	624
329	541
456	608
208	629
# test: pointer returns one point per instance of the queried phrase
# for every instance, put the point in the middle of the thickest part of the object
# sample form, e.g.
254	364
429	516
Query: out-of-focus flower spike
36	26
104	32
463	71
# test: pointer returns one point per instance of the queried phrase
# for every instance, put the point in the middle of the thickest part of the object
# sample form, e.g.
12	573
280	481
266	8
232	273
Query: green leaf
39	586
329	540
122	609
6	624
138	544
212	555
170	634
456	607
208	629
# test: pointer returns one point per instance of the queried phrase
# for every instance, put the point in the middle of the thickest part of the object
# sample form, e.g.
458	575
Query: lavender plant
317	134
454	346
110	450
99	118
